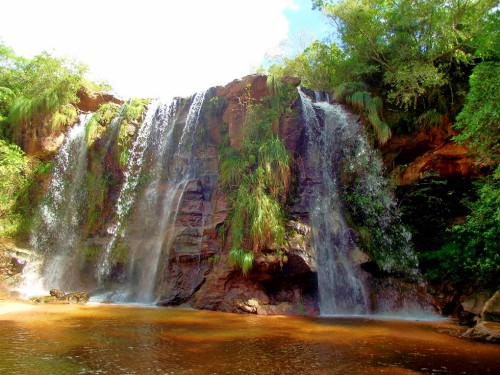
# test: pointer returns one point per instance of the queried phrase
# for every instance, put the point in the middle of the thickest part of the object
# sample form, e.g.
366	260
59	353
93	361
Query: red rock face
429	152
90	102
197	270
239	93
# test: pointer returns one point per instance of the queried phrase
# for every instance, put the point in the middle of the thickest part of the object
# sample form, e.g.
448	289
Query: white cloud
150	48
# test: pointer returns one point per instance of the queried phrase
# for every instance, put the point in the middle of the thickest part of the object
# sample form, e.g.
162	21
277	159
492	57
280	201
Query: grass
240	258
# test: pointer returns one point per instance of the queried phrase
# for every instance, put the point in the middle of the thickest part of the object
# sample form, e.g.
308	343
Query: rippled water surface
104	339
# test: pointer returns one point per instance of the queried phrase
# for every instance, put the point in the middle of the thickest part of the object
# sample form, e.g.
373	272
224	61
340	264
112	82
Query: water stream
163	159
56	228
340	284
338	151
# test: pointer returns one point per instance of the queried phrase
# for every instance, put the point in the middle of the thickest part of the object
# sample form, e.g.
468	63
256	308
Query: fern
274	160
361	100
239	258
65	116
232	169
381	129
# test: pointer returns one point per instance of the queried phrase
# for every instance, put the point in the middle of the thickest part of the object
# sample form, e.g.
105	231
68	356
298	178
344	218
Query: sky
161	48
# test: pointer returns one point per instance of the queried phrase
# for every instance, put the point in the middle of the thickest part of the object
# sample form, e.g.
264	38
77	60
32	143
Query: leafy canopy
42	89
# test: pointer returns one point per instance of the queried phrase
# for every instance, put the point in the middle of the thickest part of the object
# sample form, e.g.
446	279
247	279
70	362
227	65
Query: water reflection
135	340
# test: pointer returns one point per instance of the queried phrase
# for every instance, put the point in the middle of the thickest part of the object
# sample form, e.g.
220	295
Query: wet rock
73	298
472	307
76	297
57	293
185	275
491	310
250	306
484	331
238	93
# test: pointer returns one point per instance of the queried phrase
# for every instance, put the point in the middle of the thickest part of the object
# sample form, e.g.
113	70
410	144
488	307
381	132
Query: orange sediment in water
64	339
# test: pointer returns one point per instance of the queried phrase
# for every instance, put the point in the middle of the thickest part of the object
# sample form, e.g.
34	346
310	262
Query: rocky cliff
193	267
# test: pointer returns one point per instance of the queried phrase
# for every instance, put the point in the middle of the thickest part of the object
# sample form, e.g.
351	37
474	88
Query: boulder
73	298
77	297
491	310
57	293
484	331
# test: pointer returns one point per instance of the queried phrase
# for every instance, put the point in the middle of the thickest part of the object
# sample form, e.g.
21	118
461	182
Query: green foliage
102	117
214	260
131	115
368	198
232	169
317	66
274	162
414	55
39	93
240	258
119	253
479	120
257	176
15	171
356	95
430	119
133	110
215	106
472	247
21	179
281	95
256	216
90	253
45	88
97	189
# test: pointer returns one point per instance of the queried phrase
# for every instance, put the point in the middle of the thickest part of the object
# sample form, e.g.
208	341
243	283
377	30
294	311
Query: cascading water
166	161
336	148
127	192
55	231
340	287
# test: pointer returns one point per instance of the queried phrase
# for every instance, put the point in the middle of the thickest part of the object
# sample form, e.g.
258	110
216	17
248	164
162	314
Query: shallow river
68	339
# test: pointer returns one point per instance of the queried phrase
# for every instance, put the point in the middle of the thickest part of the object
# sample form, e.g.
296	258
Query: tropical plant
258	177
240	258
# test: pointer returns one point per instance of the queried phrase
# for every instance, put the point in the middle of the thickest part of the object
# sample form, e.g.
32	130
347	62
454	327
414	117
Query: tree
43	87
317	66
414	45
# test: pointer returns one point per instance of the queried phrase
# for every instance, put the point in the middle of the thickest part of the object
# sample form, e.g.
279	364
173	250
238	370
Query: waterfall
56	228
338	150
163	157
127	192
341	289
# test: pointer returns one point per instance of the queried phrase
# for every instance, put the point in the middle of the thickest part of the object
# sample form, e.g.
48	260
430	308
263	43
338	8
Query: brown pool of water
107	339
